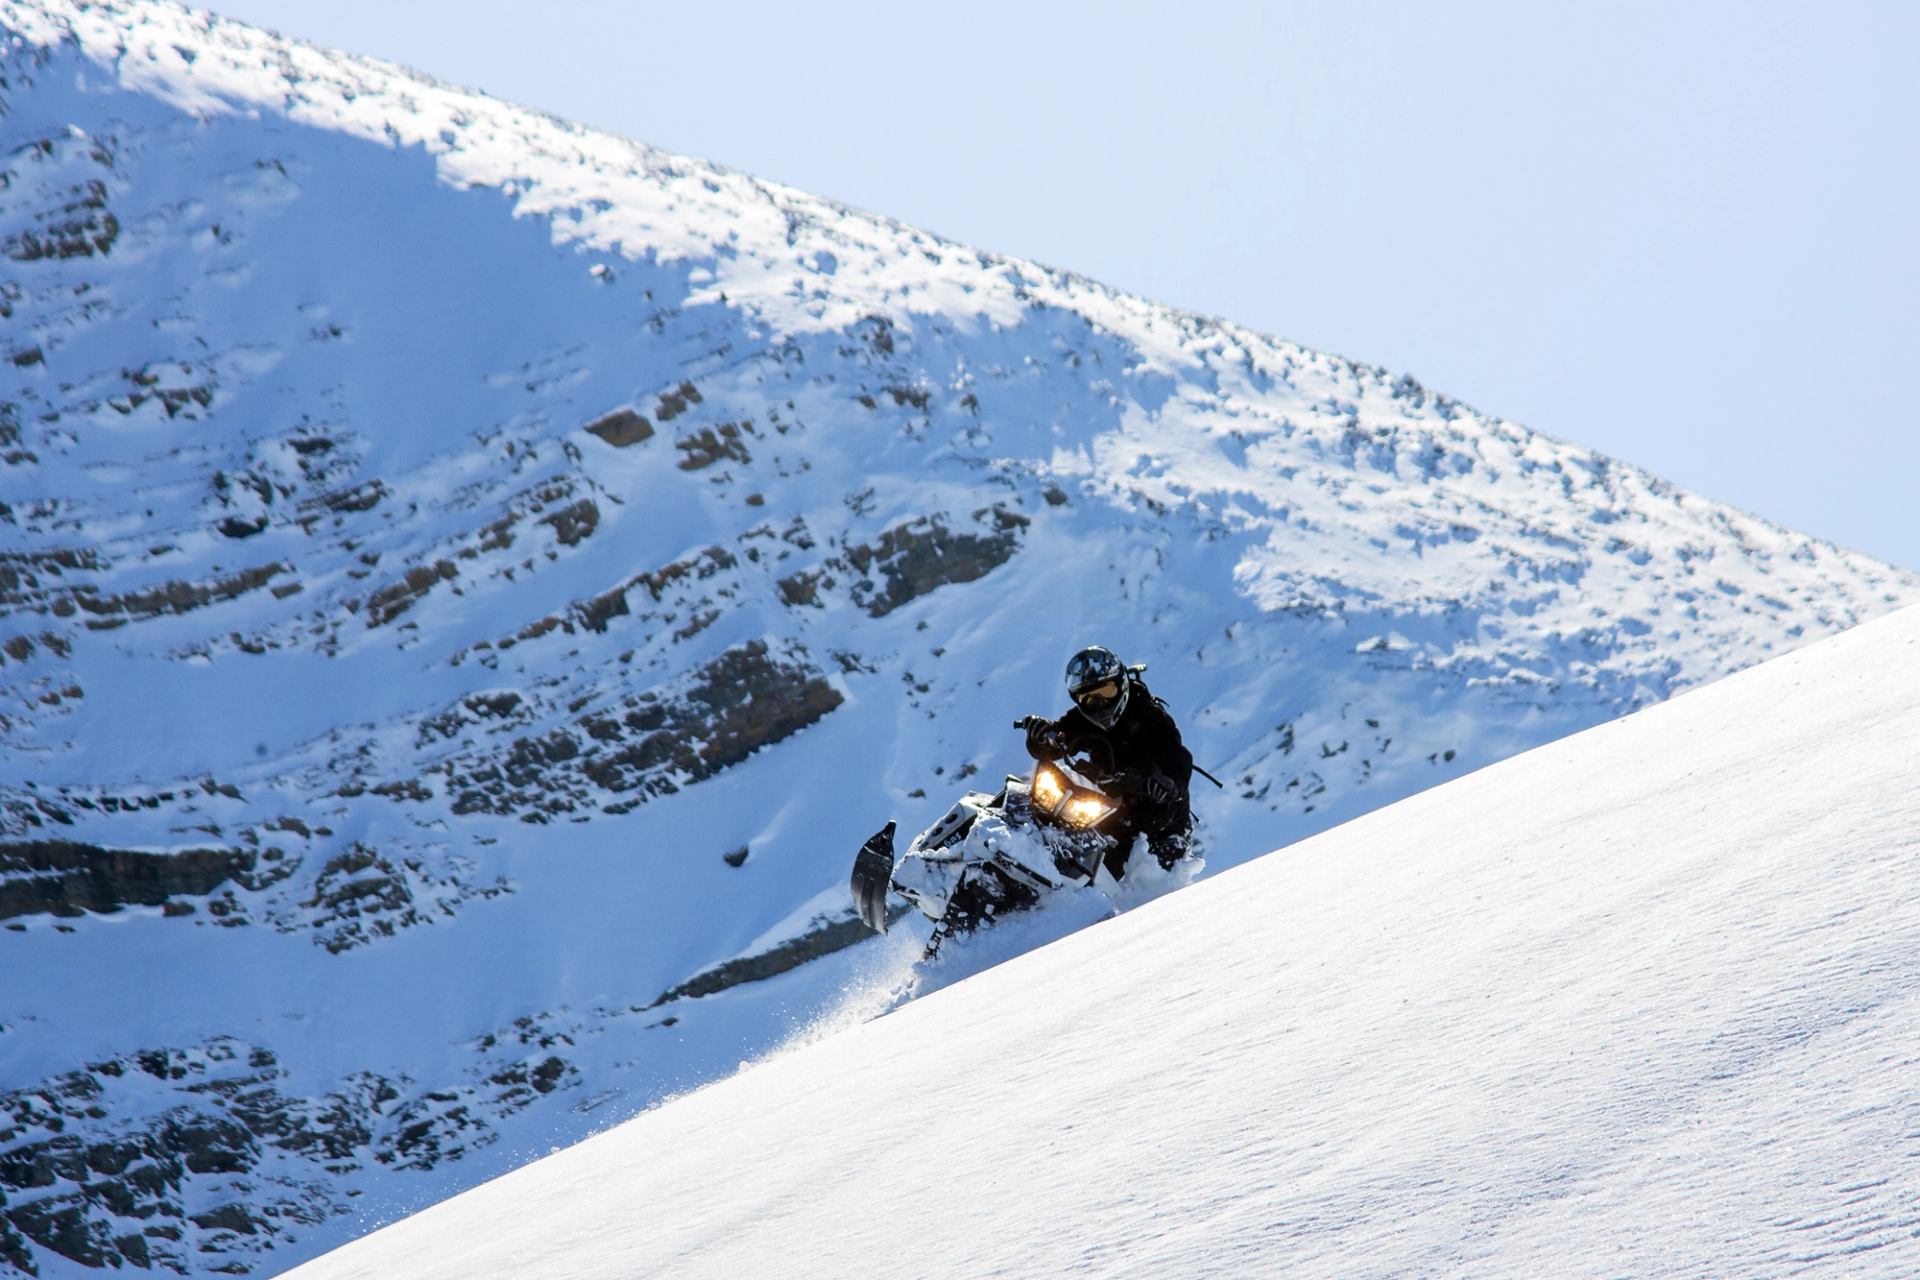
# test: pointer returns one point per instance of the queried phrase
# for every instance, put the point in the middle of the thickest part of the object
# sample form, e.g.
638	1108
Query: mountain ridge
433	635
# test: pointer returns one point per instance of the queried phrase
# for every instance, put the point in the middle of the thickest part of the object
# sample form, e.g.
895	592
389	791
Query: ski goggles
1100	696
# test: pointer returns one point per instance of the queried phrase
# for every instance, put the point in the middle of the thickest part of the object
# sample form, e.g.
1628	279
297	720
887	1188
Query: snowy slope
1642	1002
468	583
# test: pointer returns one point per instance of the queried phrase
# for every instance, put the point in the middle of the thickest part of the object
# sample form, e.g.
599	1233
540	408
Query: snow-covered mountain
470	582
1640	1003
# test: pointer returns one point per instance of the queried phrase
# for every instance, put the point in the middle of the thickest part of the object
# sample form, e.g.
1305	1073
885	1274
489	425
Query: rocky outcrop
709	445
26	576
650	743
394	599
621	428
675	402
553	504
22	648
358	896
179	387
363	894
828	935
230	1164
574	522
203	1183
596	613
71	218
65	878
908	560
26	582
169	597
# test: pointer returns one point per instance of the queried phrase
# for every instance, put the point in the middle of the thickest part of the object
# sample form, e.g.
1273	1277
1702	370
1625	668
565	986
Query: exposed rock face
572	523
70	217
675	402
24	576
551	504
709	445
286	874
908	560
648	744
359	896
119	1196
621	428
167	598
66	878
394	599
823	939
230	1165
913	559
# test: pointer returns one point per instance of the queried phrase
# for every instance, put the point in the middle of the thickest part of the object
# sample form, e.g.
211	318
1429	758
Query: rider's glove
1043	738
1158	788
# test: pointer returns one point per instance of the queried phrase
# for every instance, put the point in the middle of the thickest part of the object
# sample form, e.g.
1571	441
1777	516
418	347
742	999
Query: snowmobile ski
872	875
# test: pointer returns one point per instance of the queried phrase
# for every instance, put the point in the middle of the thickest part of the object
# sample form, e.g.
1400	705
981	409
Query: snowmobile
996	852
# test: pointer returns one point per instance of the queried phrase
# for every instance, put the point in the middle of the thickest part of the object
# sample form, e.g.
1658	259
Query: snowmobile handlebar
1098	754
1045	730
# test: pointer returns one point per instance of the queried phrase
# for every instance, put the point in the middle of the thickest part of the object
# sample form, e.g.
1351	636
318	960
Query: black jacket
1144	740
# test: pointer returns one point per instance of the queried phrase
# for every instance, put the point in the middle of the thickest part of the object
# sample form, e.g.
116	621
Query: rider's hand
1158	788
1043	738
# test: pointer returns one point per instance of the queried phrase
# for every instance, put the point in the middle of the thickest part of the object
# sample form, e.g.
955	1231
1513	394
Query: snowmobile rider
1135	751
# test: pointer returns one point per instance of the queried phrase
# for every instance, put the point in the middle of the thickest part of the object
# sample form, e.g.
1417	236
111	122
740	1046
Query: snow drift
1642	1002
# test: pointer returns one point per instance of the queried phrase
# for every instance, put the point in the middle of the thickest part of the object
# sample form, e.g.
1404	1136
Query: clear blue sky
1685	234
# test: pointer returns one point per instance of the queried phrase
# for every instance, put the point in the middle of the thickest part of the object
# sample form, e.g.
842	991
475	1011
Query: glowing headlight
1084	811
1047	787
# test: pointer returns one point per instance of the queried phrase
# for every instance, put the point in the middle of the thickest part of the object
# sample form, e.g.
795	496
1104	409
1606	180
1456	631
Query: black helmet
1097	681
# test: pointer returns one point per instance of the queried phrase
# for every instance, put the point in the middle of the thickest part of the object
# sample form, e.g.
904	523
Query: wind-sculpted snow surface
1637	1003
468	583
